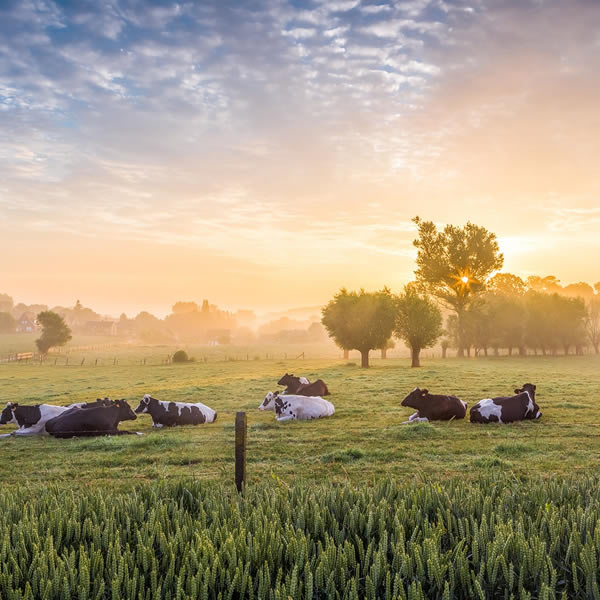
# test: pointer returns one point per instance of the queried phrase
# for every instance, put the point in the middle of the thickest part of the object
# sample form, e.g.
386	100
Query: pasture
363	441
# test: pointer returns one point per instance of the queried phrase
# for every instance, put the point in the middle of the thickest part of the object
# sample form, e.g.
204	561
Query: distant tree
387	346
182	308
444	344
578	290
8	324
6	303
360	320
55	331
570	321
546	285
454	264
507	284
418	322
593	323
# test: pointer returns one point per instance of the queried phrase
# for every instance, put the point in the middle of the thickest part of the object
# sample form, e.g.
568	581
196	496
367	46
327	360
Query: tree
507	284
418	322
55	331
454	264
593	323
360	320
387	346
6	303
7	323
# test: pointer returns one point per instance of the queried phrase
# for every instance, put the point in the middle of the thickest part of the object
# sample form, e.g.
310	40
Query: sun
464	279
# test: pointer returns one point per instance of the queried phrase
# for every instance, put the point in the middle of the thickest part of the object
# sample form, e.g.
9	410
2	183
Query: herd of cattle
301	400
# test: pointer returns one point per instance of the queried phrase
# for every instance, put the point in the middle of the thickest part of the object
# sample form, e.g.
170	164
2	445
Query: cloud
268	129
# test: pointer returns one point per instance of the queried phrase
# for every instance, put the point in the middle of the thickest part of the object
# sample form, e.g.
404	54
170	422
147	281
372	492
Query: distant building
27	324
100	328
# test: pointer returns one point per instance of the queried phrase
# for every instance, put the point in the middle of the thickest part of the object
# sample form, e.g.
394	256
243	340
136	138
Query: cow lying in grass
302	387
507	409
433	407
169	414
32	419
291	407
101	419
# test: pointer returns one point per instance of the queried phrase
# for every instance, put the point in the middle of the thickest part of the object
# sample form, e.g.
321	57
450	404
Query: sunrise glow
264	154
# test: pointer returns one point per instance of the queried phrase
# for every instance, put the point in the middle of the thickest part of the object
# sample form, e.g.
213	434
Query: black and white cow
101	419
507	409
291	407
31	420
169	414
434	407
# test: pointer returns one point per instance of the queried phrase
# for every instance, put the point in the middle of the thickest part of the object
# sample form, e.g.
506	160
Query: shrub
180	356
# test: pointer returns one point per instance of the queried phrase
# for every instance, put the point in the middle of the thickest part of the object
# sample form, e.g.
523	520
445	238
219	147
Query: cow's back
443	408
79	421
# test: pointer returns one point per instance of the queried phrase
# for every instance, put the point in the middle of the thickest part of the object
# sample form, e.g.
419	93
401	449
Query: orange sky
264	155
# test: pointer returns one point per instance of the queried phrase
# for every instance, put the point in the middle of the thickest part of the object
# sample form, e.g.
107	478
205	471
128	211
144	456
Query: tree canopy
361	320
55	331
454	264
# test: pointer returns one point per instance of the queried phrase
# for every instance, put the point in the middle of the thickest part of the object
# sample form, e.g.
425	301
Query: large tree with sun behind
454	265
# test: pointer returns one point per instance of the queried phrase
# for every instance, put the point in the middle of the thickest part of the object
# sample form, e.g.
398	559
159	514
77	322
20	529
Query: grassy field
361	442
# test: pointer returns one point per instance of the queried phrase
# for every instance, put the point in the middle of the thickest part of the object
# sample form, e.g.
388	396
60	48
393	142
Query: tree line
457	271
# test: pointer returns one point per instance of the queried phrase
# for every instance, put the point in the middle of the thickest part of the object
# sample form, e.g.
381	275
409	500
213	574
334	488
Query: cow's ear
424	392
517	391
534	388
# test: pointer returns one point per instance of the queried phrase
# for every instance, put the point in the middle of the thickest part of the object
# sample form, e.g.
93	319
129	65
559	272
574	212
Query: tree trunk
510	350
346	354
444	350
496	351
415	354
597	348
566	349
468	352
364	359
485	352
522	351
384	353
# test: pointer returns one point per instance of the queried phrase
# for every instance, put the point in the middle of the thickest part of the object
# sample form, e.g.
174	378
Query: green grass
361	442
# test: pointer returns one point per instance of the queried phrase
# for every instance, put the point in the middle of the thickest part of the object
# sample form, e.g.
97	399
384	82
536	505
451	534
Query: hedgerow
493	538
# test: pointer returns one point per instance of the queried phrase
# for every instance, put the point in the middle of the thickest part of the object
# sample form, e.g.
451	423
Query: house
100	328
27	323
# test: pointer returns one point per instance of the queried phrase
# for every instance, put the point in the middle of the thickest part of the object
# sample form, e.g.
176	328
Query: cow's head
144	404
8	414
125	412
416	398
269	402
287	378
533	410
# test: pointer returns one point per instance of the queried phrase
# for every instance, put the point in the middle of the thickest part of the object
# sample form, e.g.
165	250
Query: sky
264	153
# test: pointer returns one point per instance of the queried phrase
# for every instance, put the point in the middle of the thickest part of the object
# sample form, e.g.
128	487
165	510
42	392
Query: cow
507	409
292	383
31	420
169	414
101	419
289	407
433	407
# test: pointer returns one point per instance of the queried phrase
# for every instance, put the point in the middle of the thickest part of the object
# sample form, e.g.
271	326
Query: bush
493	538
181	356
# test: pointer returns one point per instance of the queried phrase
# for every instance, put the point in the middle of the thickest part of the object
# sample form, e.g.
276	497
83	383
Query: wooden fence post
241	434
